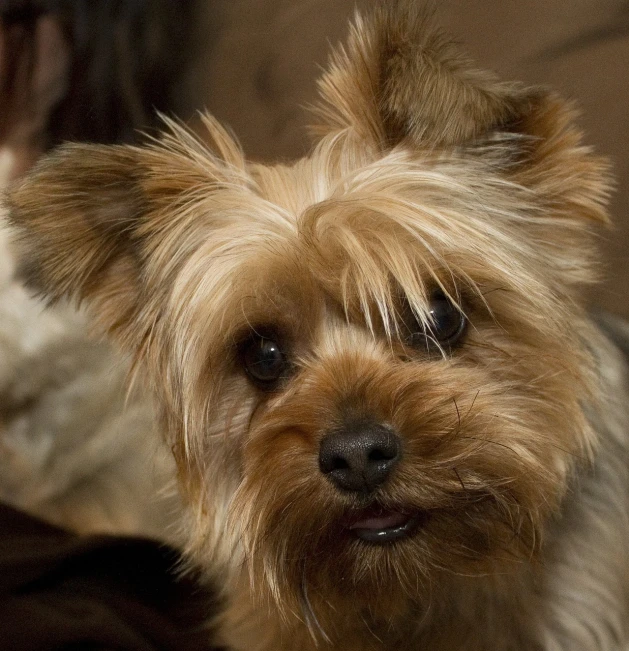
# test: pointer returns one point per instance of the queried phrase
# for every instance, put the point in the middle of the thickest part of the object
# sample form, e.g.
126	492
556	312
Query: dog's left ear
77	216
400	81
399	78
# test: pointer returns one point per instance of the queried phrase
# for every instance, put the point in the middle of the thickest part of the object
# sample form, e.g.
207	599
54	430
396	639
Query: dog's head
372	364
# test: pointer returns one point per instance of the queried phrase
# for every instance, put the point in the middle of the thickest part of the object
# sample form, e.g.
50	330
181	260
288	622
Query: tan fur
426	174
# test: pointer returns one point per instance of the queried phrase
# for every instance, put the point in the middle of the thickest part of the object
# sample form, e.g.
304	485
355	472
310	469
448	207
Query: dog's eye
264	361
448	324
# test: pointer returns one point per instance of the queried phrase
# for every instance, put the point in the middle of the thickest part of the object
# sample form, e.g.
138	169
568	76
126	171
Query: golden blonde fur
426	175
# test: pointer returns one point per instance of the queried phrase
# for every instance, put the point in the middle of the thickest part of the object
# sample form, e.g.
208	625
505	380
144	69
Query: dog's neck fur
476	612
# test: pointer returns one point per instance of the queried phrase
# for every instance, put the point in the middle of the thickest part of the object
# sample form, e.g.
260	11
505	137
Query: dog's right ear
77	216
88	216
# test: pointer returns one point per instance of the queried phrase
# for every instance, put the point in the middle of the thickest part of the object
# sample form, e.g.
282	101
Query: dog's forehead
396	216
343	169
437	192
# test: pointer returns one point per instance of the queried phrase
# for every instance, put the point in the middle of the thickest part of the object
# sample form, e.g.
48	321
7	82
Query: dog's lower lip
384	527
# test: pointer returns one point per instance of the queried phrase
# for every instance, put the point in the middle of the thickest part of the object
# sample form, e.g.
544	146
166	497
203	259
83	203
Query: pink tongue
384	521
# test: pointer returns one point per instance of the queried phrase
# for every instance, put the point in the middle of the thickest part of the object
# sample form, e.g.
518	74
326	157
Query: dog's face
372	364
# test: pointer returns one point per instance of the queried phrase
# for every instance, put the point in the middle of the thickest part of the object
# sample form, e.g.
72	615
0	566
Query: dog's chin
378	525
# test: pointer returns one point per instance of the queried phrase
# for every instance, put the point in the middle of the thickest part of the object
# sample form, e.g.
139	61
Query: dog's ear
399	78
88	216
400	81
77	215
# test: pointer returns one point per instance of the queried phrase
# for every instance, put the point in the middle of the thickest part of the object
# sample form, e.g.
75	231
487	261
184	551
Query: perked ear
400	78
87	216
400	81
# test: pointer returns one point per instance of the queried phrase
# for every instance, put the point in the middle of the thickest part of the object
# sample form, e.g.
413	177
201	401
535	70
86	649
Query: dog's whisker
311	619
458	476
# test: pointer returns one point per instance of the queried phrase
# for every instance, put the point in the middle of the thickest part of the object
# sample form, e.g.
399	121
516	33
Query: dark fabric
61	591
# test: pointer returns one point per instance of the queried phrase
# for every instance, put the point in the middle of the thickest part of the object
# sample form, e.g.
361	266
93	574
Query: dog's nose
359	457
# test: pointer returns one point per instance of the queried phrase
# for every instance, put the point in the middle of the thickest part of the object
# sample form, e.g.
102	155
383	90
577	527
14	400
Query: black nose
359	457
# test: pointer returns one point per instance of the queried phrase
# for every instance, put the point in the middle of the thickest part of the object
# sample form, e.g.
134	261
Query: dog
394	421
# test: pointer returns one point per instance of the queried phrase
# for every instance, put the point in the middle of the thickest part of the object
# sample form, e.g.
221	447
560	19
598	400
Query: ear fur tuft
87	214
399	81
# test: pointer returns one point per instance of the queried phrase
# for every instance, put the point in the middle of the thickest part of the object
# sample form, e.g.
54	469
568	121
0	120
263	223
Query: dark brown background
256	62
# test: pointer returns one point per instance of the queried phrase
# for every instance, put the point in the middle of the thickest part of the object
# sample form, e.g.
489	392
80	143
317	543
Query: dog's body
394	422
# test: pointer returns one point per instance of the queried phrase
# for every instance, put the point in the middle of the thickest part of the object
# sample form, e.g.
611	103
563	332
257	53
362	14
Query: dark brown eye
264	361
447	326
448	322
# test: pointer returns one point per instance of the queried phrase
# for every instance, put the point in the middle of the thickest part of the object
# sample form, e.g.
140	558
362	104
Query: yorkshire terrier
394	422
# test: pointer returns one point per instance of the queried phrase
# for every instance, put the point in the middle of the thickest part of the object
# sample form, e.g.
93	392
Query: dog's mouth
381	526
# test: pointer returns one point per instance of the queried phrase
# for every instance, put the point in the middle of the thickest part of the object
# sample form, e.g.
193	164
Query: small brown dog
395	424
